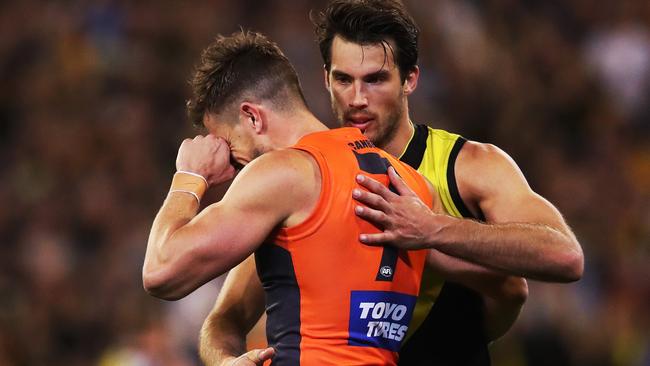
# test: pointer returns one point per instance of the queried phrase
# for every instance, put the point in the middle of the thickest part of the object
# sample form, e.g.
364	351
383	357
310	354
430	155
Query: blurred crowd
92	102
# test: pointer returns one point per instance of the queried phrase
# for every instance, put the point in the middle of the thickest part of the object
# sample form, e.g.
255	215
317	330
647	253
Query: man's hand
254	357
405	220
208	156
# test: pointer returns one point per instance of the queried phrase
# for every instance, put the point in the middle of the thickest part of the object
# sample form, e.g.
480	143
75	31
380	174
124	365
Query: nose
359	99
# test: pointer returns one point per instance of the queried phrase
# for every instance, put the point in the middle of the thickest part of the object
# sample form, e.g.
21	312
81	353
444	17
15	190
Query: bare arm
503	295
524	234
185	249
238	308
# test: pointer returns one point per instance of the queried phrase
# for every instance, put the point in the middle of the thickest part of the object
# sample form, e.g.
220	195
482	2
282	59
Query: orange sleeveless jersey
331	300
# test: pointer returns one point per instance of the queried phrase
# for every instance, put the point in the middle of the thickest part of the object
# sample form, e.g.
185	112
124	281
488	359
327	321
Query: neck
295	126
405	130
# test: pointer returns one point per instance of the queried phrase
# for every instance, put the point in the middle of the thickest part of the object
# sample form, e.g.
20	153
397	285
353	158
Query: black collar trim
416	147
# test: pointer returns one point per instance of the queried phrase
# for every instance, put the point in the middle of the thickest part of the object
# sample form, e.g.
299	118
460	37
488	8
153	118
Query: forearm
527	250
503	296
487	281
239	306
220	342
164	254
177	210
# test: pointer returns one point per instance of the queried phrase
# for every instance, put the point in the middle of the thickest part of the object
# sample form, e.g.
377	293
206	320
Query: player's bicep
501	191
521	204
226	234
228	231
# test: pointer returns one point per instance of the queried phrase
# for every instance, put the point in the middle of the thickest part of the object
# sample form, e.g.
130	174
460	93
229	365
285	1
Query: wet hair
243	66
368	22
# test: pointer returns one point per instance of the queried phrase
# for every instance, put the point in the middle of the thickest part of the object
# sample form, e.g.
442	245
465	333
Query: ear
411	81
326	76
250	115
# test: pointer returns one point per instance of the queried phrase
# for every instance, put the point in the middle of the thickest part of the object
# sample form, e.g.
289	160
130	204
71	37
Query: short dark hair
244	65
369	22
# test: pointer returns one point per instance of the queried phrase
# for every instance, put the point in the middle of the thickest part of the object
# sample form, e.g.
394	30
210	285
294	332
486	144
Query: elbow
503	308
566	267
574	265
516	290
511	292
159	285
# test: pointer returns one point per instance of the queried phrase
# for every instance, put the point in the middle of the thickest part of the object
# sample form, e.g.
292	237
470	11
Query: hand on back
405	220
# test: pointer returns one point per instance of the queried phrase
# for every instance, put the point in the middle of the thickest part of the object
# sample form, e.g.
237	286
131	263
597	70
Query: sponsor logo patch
379	318
386	271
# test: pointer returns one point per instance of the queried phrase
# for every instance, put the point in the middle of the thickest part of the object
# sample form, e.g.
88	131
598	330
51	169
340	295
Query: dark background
92	112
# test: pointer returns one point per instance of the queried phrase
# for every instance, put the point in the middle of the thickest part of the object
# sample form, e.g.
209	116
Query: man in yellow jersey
482	189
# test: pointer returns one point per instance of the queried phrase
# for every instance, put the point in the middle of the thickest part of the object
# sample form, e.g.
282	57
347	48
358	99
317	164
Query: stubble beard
385	130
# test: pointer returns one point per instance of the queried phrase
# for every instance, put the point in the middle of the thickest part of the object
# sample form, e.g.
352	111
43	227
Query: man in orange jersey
331	300
356	38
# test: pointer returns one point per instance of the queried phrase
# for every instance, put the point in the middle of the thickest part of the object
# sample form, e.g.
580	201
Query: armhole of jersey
416	147
423	181
451	178
321	209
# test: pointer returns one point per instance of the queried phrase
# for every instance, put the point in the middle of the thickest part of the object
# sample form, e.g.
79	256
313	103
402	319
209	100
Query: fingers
376	239
399	184
375	217
265	354
375	187
219	141
370	199
208	156
256	357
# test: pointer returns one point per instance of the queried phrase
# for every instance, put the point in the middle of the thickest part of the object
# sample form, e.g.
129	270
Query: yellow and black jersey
447	324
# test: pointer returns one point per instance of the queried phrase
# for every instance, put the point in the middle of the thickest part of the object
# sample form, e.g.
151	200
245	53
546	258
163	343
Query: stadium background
92	111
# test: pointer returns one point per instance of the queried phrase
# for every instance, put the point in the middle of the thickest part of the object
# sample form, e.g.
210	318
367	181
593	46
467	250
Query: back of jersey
330	299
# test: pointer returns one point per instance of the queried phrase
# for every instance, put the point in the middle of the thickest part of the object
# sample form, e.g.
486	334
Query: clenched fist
208	156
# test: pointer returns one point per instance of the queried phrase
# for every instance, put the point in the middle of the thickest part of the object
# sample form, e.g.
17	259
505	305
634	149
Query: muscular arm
238	308
185	251
524	234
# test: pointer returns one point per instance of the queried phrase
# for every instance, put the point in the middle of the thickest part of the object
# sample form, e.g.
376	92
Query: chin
370	135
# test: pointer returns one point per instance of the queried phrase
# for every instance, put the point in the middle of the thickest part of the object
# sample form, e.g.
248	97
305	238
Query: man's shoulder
285	164
278	172
470	150
482	168
478	153
274	177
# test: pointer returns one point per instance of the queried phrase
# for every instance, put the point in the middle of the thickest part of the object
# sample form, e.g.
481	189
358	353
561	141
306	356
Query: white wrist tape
188	182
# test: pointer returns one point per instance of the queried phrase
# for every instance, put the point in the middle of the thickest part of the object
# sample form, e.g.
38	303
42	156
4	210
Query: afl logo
386	271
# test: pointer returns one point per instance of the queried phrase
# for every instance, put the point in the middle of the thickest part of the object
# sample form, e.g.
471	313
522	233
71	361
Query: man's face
241	142
366	90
